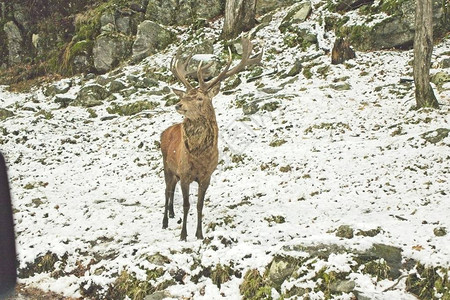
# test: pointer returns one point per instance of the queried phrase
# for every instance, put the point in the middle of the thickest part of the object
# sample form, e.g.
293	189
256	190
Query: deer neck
200	134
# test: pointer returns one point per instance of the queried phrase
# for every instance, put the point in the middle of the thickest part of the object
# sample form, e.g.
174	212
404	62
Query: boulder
174	12
395	31
91	95
151	37
298	14
265	6
109	50
4	114
15	43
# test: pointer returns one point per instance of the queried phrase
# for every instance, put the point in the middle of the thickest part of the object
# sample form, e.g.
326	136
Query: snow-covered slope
341	148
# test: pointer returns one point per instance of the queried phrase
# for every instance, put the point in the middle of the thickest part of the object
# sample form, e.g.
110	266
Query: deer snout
178	106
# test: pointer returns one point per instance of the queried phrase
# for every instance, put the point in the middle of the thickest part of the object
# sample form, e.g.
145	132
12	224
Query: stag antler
247	48
179	70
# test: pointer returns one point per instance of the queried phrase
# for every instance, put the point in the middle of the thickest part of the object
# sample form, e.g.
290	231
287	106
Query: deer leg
185	191
171	182
202	187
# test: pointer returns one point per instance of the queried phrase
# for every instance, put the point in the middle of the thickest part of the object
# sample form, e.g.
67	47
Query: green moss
4	114
271	106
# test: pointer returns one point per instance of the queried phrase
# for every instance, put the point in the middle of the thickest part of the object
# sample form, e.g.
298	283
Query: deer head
208	89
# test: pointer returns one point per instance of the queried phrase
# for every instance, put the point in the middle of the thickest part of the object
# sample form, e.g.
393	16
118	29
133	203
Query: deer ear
179	93
214	90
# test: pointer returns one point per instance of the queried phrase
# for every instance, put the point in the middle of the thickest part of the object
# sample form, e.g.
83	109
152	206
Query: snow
102	193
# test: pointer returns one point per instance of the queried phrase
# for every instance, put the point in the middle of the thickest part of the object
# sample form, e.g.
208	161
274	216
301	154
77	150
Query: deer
190	149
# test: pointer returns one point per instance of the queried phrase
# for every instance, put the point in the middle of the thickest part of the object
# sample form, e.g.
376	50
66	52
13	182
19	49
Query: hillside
330	184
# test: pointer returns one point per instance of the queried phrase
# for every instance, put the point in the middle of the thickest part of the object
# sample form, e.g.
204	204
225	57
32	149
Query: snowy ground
93	188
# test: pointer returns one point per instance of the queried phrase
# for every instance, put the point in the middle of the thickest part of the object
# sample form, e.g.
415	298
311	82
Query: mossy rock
132	108
435	136
271	106
4	114
440	78
158	259
345	231
280	269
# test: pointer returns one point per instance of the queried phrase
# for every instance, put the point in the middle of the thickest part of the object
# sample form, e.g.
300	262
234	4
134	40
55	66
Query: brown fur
190	153
189	149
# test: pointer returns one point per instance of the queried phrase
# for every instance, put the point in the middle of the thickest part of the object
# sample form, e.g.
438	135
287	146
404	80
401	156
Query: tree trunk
239	17
423	48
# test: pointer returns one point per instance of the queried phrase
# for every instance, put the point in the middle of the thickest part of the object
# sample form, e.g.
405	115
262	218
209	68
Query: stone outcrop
151	37
15	43
109	50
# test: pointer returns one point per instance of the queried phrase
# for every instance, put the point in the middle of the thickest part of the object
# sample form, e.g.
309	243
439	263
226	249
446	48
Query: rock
345	231
158	259
342	286
341	87
159	295
440	78
232	83
108	28
61	87
109	50
440	231
435	136
150	38
63	101
175	12
108	17
347	5
116	86
295	70
81	63
4	114
445	63
341	51
395	31
265	6
15	43
91	95
298	14
251	108
124	25
281	268
392	255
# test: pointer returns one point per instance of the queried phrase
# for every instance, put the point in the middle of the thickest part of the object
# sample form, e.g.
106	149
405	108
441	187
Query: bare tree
423	48
239	17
